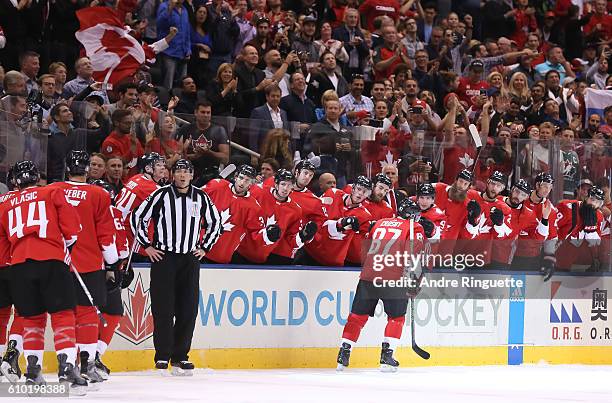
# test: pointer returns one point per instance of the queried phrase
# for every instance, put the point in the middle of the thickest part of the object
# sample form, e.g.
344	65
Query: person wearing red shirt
388	55
37	228
525	22
452	200
121	142
374	8
600	24
425	198
458	153
95	250
470	86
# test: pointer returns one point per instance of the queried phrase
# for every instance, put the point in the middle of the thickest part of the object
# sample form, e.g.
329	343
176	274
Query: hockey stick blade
227	171
418	350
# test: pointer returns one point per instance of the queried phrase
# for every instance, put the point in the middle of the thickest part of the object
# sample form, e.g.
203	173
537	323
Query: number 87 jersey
38	223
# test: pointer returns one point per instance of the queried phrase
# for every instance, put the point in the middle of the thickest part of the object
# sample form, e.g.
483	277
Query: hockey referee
178	213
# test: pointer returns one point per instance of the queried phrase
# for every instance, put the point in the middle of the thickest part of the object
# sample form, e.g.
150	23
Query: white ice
527	383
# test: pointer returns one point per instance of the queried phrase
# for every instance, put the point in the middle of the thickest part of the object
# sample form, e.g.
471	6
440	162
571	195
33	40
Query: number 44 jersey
38	223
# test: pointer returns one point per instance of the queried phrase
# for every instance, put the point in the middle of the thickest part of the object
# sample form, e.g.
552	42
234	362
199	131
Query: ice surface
520	384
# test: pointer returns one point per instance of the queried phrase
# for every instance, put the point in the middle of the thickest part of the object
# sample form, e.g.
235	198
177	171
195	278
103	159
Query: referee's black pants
175	284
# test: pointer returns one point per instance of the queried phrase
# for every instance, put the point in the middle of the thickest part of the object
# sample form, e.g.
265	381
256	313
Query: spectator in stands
59	71
555	61
565	98
224	32
599	27
205	144
525	66
84	79
246	29
326	79
592	126
356	105
128	96
276	146
14	83
425	23
276	67
472	85
115	172
388	55
299	108
30	65
570	164
163	140
201	44
351	36
519	88
97	167
173	13
370	9
122	142
267	169
251	83
266	117
47	97
598	72
222	90
189	96
262	41
62	140
304	43
326	44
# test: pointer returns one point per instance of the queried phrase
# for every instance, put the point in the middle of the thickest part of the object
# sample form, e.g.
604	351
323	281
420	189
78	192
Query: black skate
68	373
101	369
343	356
162	367
10	363
387	362
182	368
33	375
88	372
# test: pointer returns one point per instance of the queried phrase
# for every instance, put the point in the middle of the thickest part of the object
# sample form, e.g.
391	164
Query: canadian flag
114	53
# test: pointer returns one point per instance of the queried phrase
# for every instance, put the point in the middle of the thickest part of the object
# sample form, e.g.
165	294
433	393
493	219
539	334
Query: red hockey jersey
576	244
287	215
241	216
456	216
331	247
135	191
39	224
529	244
121	240
378	211
5	247
391	236
97	238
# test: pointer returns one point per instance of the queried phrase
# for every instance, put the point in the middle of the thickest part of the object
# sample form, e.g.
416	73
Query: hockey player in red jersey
452	200
137	189
40	225
487	219
10	361
312	208
393	235
532	253
116	279
346	215
279	209
580	226
434	218
241	215
522	220
377	206
95	250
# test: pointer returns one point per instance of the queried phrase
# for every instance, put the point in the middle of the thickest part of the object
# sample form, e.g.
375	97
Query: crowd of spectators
359	87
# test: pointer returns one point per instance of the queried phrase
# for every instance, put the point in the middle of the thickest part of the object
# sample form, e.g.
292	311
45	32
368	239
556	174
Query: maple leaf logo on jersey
466	160
270	220
480	227
225	217
136	324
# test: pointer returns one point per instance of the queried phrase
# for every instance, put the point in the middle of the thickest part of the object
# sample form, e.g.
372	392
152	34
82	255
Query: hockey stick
88	294
477	142
227	171
418	350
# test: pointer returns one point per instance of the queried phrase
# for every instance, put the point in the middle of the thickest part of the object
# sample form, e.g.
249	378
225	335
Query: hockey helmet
408	209
283	175
544	177
522	185
182	164
363	181
304	164
246	170
25	174
426	189
149	160
498	177
382	178
106	186
596	193
466	175
77	162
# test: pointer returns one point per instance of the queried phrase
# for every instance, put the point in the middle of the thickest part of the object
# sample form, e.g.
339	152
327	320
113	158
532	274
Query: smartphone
483	92
417	110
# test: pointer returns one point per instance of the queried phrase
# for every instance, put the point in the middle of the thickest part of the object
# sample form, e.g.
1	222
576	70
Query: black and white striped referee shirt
178	219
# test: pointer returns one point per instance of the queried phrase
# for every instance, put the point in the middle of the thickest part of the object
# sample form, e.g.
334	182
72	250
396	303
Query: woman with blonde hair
222	90
162	140
276	146
496	80
519	87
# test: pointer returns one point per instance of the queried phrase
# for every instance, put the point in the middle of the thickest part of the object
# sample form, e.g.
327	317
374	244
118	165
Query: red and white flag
114	53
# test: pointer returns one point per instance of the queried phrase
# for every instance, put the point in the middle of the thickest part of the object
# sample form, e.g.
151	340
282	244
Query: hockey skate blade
102	374
386	368
164	372
93	386
77	390
340	368
5	369
177	371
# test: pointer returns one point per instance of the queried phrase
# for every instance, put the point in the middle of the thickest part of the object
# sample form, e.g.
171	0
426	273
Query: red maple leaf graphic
136	325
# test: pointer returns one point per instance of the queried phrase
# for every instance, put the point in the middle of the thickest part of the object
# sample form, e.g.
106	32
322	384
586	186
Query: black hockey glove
415	285
428	226
372	224
347	223
273	232
308	231
497	216
473	209
548	267
128	275
589	217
